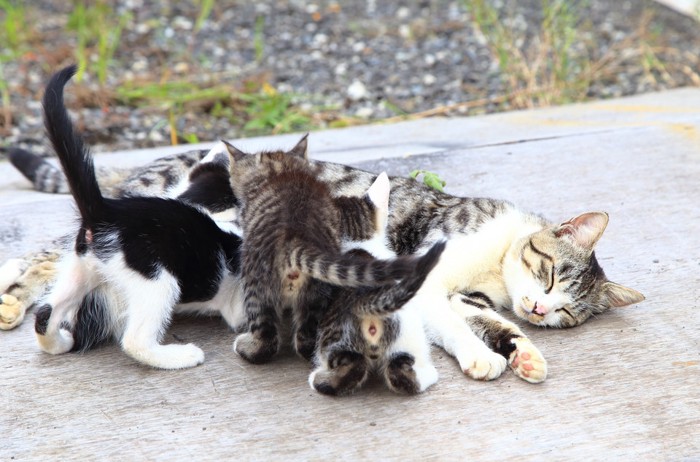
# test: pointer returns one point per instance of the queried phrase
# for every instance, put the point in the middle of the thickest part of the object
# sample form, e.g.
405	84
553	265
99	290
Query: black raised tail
74	156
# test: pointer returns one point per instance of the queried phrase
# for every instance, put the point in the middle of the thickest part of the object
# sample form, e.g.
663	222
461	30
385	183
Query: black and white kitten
138	259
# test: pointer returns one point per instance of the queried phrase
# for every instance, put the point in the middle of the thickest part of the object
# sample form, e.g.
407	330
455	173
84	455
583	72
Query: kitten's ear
616	295
300	149
585	229
234	153
378	195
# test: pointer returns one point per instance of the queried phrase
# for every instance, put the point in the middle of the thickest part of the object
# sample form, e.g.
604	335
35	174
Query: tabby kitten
124	261
369	329
293	231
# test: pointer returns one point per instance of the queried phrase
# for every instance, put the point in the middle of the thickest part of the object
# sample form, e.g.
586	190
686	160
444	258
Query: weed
97	31
205	7
14	35
552	70
430	179
271	110
259	38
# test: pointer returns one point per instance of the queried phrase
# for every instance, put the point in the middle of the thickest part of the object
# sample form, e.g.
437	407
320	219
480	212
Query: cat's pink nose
540	309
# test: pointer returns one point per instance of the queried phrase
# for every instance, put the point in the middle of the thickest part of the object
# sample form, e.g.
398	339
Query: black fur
152	232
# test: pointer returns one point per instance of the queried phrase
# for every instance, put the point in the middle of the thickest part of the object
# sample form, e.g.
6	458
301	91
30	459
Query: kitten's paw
165	356
56	344
403	376
11	312
483	364
345	373
305	346
527	362
254	348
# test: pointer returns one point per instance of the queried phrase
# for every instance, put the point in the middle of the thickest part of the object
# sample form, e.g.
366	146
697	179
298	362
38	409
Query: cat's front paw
483	364
527	362
11	312
255	348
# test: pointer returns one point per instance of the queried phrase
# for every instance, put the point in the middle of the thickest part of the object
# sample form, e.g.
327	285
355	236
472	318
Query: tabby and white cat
294	230
123	267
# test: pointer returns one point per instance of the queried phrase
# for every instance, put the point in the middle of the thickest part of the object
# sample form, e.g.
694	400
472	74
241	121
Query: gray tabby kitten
293	230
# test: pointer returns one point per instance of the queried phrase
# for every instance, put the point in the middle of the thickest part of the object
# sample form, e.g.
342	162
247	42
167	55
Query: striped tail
351	270
74	156
44	175
387	299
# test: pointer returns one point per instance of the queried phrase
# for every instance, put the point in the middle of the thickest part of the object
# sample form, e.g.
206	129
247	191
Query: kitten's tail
387	299
350	270
45	176
74	156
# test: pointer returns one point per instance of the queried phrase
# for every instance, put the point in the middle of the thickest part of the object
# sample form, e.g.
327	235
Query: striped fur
294	230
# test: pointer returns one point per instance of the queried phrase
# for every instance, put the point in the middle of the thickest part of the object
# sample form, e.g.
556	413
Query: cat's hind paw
485	365
11	312
527	361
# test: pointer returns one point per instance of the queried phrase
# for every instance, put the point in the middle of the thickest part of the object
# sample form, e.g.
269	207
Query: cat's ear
300	150
234	154
378	195
616	295
585	229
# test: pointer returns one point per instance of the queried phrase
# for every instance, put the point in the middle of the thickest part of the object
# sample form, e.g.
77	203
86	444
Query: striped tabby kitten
294	230
366	330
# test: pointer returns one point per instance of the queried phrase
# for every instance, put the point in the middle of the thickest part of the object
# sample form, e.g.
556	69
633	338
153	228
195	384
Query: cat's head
247	169
554	279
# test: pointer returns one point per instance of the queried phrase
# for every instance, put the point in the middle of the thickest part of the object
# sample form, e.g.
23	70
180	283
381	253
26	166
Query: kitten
366	330
123	260
293	232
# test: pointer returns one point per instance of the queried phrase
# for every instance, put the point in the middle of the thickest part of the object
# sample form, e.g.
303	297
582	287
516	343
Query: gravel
343	62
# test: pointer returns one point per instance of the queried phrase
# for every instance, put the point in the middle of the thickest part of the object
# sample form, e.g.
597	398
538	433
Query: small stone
357	91
429	79
364	112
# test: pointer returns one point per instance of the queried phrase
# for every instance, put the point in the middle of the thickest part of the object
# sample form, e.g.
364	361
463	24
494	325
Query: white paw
11	312
10	271
167	356
61	342
483	364
426	375
527	362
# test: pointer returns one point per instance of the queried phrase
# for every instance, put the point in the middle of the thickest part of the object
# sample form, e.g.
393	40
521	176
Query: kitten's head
247	170
554	279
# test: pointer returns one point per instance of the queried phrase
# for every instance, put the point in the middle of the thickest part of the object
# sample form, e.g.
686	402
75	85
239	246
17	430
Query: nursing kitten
293	233
123	260
367	330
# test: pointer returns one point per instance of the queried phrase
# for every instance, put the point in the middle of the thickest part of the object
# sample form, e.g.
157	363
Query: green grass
98	29
552	69
430	179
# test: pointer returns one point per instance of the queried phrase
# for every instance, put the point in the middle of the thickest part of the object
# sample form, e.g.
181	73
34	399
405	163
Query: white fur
412	339
10	272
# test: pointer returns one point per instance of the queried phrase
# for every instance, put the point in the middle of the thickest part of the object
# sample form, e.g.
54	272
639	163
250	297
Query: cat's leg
409	368
56	317
25	282
501	335
261	342
149	305
341	367
313	303
448	330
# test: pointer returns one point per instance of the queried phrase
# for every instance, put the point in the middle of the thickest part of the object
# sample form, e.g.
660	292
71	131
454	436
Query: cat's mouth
528	315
